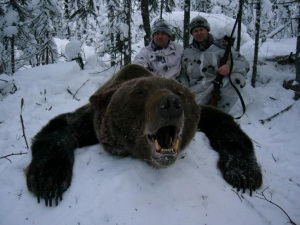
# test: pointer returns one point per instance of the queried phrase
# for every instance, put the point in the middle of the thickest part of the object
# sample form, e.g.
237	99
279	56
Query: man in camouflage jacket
162	56
200	65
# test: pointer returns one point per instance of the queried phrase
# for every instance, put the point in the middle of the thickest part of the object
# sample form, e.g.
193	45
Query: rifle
218	80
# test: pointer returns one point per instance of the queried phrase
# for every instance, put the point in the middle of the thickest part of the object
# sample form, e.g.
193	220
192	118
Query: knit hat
161	25
199	21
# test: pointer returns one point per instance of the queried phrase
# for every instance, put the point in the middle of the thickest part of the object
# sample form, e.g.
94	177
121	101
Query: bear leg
237	160
50	171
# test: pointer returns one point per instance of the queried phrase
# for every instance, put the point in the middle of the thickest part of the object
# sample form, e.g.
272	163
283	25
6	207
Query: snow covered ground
113	190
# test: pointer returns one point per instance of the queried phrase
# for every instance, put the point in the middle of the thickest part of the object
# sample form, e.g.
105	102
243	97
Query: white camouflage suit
199	71
164	62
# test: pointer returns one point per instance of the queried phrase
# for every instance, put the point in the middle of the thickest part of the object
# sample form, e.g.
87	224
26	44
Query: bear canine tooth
176	145
157	146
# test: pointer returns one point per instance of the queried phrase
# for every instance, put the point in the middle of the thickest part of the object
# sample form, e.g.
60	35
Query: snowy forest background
28	28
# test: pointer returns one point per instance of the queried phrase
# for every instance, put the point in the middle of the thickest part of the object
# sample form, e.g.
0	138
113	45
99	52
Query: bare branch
275	115
274	158
283	3
81	87
68	90
74	95
263	197
12	154
22	123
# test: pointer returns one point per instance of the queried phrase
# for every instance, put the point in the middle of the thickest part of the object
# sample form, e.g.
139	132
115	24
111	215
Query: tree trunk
127	40
12	54
47	50
256	47
186	22
161	8
297	62
239	32
67	17
112	52
146	21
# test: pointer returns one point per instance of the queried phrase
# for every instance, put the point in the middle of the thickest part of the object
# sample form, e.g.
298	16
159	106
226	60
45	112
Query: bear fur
148	117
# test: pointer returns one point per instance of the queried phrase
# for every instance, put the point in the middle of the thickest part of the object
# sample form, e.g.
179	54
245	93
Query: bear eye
179	93
139	92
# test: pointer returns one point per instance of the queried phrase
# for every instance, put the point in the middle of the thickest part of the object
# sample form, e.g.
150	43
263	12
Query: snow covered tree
284	12
109	40
167	6
47	15
15	36
66	19
84	20
9	26
201	5
115	38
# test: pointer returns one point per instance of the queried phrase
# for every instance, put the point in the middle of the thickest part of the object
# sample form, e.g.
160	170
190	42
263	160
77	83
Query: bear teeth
157	146
164	150
175	147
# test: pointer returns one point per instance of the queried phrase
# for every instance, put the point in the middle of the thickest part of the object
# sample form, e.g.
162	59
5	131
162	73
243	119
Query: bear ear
100	100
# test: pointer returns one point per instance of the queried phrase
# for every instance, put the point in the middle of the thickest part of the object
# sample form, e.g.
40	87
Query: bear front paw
49	179
241	173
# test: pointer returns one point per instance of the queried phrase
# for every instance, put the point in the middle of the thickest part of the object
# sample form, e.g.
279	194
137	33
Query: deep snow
113	190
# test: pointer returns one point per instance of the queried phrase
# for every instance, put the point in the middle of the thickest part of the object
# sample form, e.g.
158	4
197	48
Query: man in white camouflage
200	65
162	56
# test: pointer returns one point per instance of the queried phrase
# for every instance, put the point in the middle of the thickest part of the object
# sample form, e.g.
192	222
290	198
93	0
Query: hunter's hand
224	70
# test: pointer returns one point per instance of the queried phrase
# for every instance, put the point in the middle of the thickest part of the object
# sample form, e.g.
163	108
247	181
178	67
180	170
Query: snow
11	18
10	31
73	49
114	190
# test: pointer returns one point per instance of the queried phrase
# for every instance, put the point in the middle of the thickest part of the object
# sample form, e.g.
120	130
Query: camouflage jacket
200	64
164	62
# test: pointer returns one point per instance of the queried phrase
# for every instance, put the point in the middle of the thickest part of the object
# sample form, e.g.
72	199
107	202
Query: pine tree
115	38
15	36
167	6
47	15
66	19
84	19
201	5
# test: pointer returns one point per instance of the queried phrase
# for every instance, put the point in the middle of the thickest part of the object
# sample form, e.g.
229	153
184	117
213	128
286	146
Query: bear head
151	118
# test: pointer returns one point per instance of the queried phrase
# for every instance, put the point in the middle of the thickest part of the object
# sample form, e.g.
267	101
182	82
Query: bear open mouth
165	140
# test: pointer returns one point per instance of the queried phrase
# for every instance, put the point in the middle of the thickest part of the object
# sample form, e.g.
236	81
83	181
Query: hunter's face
200	34
161	39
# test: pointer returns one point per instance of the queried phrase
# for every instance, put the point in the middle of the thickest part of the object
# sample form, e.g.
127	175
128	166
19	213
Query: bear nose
170	106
